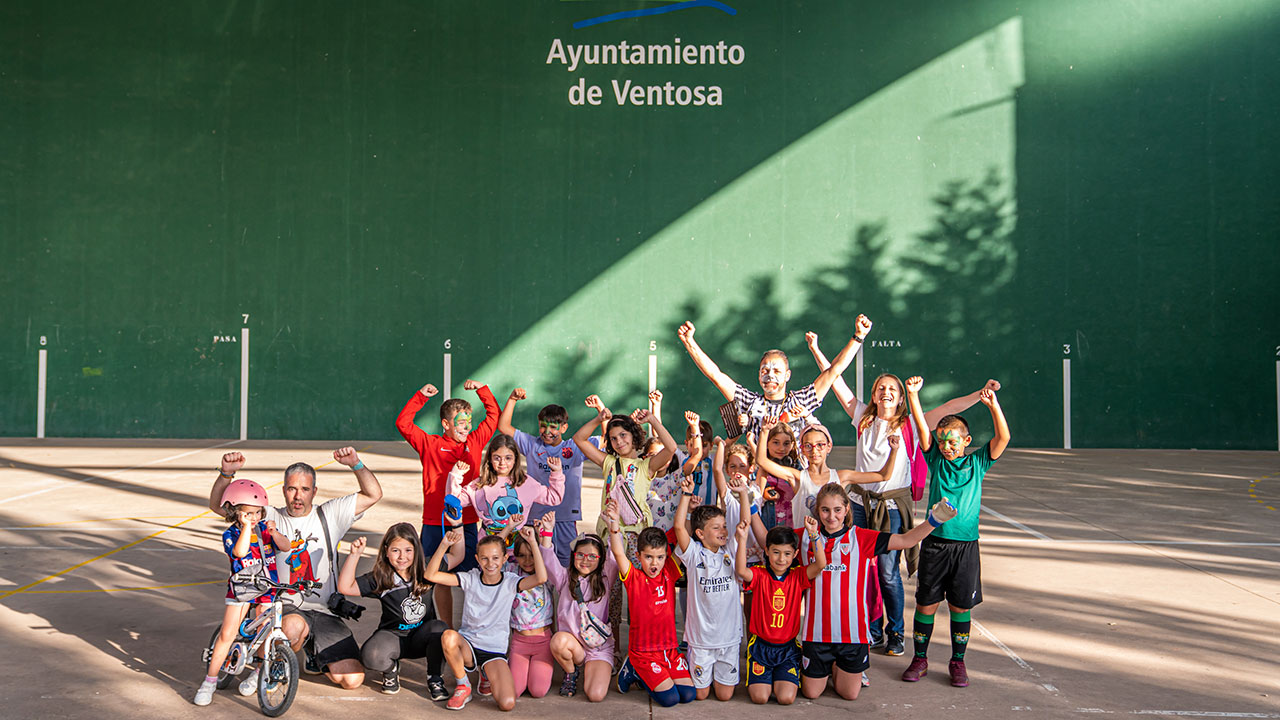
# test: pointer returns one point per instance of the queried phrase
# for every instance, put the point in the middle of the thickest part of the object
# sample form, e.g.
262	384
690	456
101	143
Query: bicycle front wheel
277	678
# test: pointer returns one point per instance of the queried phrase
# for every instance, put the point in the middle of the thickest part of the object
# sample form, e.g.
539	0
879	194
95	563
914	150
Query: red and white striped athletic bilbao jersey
836	609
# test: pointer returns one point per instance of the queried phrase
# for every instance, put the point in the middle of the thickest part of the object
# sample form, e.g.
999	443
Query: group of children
767	517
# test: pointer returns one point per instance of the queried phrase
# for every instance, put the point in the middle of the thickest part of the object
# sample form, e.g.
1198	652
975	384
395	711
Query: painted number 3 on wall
1066	349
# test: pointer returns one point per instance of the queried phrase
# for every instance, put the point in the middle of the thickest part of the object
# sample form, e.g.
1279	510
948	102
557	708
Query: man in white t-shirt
713	616
309	623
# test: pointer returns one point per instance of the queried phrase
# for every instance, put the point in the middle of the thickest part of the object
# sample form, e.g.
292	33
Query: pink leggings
531	663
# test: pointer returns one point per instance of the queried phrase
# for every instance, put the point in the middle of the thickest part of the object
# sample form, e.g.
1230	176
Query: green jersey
960	481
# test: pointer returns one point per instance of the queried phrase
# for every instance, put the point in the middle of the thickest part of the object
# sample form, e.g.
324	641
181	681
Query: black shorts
849	657
949	570
772	662
480	658
330	637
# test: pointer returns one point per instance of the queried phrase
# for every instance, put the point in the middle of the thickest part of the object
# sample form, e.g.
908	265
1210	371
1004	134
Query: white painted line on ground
1066	404
93	549
448	375
1015	523
42	375
72	528
1013	655
1177	713
244	383
67	483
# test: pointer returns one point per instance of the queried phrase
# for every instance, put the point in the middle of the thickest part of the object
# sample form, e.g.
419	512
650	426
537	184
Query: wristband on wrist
754	510
358	466
226	475
689	494
544	533
932	520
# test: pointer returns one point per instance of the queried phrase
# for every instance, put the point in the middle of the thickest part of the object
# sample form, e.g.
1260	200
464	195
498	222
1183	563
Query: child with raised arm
950	568
652	657
835	626
408	628
457	441
713	618
503	489
480	644
815	445
888	505
553	422
583	642
776	589
692	462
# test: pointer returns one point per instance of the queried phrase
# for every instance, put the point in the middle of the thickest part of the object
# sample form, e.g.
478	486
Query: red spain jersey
652	603
837	610
775	604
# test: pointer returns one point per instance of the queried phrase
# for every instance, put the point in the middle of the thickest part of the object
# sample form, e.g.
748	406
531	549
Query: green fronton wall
999	185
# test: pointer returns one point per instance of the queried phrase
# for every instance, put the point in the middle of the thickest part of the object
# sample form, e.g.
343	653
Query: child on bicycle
242	505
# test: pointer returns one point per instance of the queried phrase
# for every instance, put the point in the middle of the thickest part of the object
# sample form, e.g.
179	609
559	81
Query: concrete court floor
1116	583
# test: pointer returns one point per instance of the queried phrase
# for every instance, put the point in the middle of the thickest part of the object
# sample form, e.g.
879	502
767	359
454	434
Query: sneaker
866	681
204	693
877	643
959	676
483	688
435	688
391	680
626	676
918	668
249	685
461	696
309	664
569	686
893	644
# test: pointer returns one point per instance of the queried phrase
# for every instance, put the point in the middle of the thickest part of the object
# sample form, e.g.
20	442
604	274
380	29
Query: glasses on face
585	556
816	446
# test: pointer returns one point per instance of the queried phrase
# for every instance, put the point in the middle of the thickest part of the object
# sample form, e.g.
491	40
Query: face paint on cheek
462	418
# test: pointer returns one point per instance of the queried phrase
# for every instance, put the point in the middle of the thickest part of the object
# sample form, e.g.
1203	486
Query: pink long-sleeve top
497	502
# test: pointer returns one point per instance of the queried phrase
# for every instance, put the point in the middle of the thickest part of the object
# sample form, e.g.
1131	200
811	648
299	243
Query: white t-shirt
806	494
340	515
733	515
713	618
873	451
486	610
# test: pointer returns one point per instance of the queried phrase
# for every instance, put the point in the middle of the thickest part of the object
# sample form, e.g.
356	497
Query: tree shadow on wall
939	297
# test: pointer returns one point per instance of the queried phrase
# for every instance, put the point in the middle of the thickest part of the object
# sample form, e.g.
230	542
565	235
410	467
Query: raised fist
942	511
461	467
518	394
231	462
429	390
861	327
347	456
914	383
357	546
471	385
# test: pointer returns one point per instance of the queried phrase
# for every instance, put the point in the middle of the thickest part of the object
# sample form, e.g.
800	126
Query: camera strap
328	545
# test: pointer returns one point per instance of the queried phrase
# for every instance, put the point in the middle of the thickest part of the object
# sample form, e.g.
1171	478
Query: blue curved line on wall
673	7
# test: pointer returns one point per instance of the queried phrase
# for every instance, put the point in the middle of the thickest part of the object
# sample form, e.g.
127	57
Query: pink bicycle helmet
244	492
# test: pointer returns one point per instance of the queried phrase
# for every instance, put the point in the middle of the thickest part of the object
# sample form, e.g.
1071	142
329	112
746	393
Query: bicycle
278	666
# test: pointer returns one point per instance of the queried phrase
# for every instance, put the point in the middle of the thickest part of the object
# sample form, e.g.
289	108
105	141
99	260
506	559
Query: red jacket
439	453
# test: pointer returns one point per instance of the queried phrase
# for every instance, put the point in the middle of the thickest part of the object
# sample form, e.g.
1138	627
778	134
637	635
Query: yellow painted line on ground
77	566
128	589
1253	490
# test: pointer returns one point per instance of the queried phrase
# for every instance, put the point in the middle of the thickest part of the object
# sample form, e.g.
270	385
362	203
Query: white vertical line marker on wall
858	383
1277	404
42	379
244	383
1066	403
448	375
653	372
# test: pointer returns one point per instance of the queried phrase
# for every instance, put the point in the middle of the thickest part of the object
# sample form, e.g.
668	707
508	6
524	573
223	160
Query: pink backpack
915	460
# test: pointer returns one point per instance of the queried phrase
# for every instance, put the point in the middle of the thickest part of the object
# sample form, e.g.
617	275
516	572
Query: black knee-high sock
960	624
923	631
